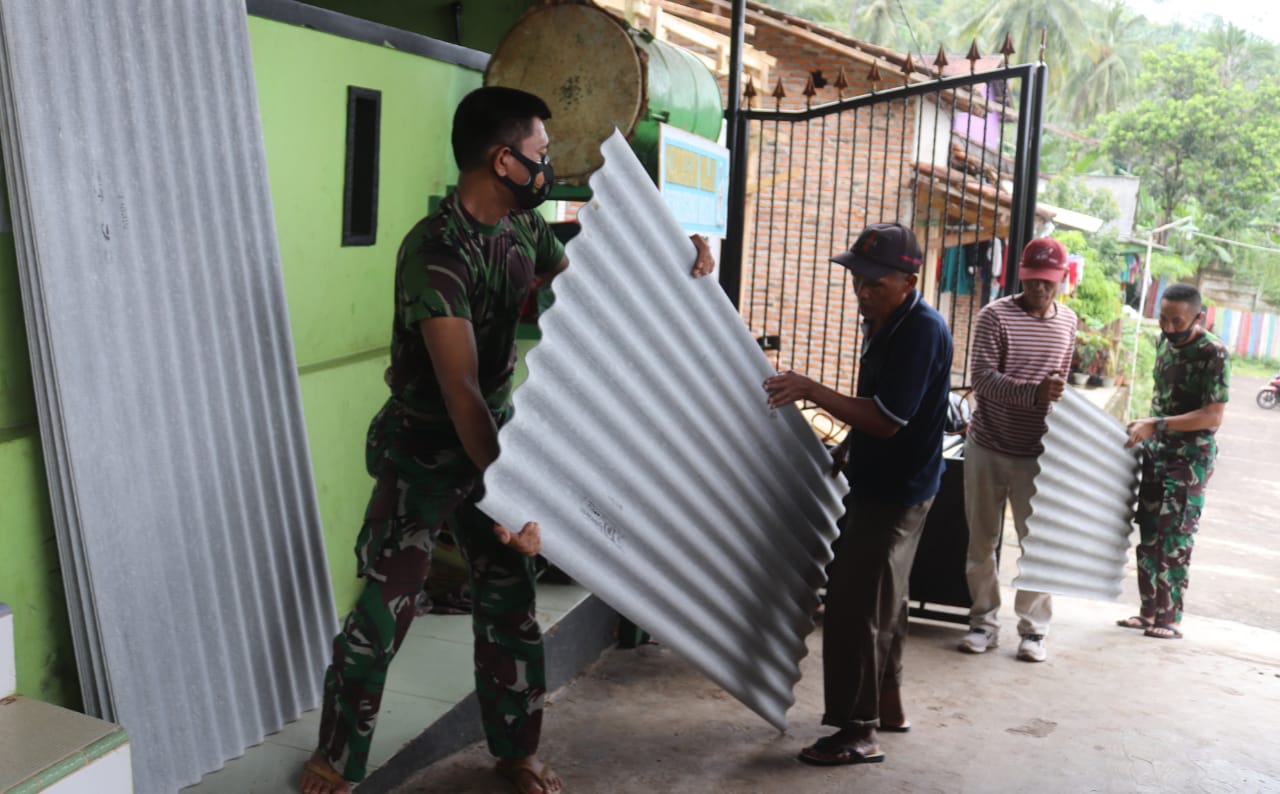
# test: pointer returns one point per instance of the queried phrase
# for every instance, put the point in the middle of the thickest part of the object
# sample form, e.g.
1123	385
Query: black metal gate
948	157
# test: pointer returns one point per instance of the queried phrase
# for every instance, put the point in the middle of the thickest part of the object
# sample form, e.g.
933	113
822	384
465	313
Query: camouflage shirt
1187	379
452	265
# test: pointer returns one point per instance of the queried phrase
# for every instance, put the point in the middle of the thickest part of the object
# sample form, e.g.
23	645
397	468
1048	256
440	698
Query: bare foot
319	777
892	716
530	776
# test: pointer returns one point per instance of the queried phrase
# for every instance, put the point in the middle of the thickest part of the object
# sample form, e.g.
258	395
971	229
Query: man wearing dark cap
1021	349
892	458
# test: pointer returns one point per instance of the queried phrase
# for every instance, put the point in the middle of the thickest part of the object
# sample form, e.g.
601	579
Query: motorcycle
1270	394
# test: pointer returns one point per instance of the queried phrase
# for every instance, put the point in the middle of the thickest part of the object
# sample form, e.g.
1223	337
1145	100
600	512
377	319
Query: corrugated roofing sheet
168	397
643	444
1082	511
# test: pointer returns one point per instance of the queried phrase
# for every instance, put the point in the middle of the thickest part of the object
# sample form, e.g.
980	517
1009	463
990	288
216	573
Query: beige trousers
990	480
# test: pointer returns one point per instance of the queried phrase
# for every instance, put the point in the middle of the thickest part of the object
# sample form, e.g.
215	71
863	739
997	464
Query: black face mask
535	191
1176	338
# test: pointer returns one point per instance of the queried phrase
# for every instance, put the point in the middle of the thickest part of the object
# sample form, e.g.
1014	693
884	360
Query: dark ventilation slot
360	198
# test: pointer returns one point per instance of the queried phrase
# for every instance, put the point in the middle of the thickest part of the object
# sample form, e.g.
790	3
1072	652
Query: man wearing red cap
1021	349
894	466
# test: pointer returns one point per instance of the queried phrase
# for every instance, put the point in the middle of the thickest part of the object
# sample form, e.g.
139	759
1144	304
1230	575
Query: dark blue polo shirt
906	369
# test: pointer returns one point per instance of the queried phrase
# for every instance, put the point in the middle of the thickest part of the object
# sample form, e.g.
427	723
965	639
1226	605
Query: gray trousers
865	623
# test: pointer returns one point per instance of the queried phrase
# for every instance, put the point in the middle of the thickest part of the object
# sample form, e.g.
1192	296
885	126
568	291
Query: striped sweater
1012	352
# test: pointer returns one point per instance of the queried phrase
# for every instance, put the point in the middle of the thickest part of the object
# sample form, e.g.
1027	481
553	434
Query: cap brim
863	267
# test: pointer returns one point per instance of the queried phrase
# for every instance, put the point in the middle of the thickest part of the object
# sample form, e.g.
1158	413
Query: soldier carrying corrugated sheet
463	274
1192	380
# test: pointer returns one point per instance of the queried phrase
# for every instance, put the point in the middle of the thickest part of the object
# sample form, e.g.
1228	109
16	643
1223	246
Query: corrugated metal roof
168	397
1082	511
643	444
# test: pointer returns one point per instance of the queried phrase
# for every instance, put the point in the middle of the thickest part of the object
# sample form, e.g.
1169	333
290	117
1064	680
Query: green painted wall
339	301
30	574
340	297
483	21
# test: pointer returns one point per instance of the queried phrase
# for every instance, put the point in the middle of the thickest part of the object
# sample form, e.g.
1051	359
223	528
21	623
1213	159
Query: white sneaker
1031	649
979	641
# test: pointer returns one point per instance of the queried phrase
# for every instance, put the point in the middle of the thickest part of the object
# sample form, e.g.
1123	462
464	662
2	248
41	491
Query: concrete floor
1110	711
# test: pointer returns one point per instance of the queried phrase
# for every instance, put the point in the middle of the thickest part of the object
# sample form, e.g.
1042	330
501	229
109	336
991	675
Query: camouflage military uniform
1175	472
449	265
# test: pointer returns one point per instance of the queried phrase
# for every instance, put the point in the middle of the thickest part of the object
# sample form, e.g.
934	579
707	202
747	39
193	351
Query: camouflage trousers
421	485
1170	500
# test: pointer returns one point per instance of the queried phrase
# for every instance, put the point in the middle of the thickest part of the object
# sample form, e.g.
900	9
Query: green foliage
1192	136
1096	299
1143	377
1254	367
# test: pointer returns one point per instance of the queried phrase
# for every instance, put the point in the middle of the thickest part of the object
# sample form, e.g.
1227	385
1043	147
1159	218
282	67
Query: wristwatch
1161	425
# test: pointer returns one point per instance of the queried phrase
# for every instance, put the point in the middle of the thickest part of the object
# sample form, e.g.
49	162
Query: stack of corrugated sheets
167	391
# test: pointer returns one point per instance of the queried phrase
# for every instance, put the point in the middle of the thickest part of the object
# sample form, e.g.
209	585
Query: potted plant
1089	347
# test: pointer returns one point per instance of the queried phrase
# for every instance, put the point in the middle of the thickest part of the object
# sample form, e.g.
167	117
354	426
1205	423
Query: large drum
597	73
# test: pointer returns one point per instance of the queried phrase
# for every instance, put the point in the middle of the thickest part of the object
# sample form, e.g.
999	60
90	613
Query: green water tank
597	73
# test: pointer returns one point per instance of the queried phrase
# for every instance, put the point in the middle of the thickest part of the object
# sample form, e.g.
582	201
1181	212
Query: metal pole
736	138
1137	326
1142	303
1018	235
735	231
1040	80
737	40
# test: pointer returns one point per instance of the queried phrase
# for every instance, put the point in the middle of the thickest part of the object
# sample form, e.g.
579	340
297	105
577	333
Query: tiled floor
430	675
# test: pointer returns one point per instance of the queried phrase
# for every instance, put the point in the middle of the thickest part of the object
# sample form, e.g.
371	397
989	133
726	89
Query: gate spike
809	90
749	92
1007	48
842	82
941	61
973	55
779	92
907	68
874	74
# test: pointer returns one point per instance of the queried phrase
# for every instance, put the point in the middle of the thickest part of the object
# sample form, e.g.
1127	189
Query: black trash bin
937	576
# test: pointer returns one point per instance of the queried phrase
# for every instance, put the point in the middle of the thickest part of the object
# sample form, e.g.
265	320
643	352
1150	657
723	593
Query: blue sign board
693	175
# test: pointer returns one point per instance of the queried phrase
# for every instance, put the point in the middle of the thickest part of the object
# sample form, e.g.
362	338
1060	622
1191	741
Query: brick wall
812	187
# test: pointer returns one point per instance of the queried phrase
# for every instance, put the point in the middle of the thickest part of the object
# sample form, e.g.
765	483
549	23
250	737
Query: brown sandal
1163	631
1135	622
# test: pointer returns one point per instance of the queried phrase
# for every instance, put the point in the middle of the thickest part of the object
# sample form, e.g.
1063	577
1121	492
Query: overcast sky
1261	17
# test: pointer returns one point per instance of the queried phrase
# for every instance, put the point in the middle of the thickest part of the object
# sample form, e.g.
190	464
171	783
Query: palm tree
873	22
1244	56
1105	78
1024	20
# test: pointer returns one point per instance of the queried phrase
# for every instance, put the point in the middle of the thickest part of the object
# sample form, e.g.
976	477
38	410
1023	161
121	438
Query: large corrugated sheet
1082	511
643	444
167	391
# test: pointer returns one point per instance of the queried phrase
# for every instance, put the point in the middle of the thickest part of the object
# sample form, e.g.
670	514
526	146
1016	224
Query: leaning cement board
643	444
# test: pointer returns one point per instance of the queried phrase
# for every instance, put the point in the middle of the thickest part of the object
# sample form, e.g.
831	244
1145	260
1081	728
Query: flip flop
1135	622
827	752
1163	631
520	776
903	728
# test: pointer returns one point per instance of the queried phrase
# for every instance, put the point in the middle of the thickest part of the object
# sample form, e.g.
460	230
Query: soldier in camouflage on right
1192	376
